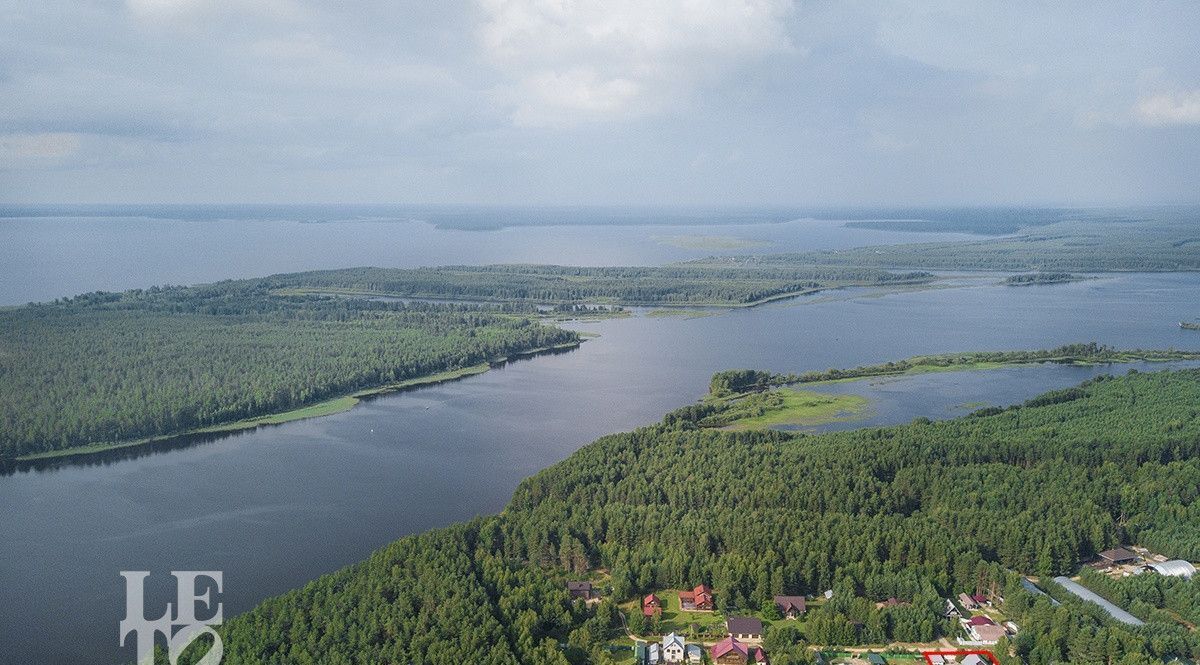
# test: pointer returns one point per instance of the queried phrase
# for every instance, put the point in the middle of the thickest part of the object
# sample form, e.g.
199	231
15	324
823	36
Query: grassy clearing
680	313
787	406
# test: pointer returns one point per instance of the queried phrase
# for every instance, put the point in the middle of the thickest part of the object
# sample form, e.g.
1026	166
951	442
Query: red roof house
729	651
759	657
700	598
980	620
651	606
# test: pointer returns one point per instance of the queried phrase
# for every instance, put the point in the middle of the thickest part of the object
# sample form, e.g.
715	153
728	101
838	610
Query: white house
673	648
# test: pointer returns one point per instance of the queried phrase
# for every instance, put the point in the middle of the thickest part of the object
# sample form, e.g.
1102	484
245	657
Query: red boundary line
989	654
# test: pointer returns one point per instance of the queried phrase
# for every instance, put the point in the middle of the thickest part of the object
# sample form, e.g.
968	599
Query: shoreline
339	404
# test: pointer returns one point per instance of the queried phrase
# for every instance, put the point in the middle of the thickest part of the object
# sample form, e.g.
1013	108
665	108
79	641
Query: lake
276	507
52	255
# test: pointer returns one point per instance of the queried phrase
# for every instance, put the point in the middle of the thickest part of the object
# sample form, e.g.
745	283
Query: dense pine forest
918	511
667	285
109	367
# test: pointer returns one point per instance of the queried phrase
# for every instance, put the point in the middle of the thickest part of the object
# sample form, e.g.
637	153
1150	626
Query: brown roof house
791	606
1117	555
745	628
580	590
698	599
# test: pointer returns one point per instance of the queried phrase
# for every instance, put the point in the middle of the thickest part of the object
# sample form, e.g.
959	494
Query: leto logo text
178	624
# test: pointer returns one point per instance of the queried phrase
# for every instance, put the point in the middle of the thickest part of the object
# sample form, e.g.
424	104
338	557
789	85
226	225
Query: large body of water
276	507
50	256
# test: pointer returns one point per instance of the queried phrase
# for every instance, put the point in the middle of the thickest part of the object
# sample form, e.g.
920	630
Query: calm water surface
45	258
276	507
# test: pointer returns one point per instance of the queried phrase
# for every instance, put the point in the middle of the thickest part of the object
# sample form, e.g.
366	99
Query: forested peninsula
89	372
662	285
892	520
732	382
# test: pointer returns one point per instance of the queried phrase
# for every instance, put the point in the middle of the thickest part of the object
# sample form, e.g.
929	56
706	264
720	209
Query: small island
1189	325
1033	279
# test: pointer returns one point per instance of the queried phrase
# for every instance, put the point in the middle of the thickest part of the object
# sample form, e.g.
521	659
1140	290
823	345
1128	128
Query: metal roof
1174	568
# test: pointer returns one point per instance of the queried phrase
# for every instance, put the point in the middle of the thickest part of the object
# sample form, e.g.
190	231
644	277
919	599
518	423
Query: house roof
787	603
758	655
1118	554
980	620
990	633
727	645
875	659
651	599
672	638
975	659
579	585
744	626
979	598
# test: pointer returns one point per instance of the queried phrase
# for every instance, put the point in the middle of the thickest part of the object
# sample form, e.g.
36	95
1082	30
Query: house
980	600
580	590
695	653
791	606
654	654
892	602
988	634
640	653
698	599
1117	556
758	656
975	659
936	659
983	629
950	611
967	602
651	606
729	651
673	649
745	628
876	659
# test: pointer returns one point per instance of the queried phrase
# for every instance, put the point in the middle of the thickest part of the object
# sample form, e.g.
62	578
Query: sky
562	102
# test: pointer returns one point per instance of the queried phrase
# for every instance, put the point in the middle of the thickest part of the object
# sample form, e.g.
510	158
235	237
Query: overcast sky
612	101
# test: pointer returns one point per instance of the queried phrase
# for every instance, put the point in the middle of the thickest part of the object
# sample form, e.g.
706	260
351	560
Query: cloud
37	147
1181	108
569	61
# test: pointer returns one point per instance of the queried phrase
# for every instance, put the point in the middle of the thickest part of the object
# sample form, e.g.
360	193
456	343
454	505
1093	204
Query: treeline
1149	596
918	512
1041	278
108	367
1168	242
566	284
